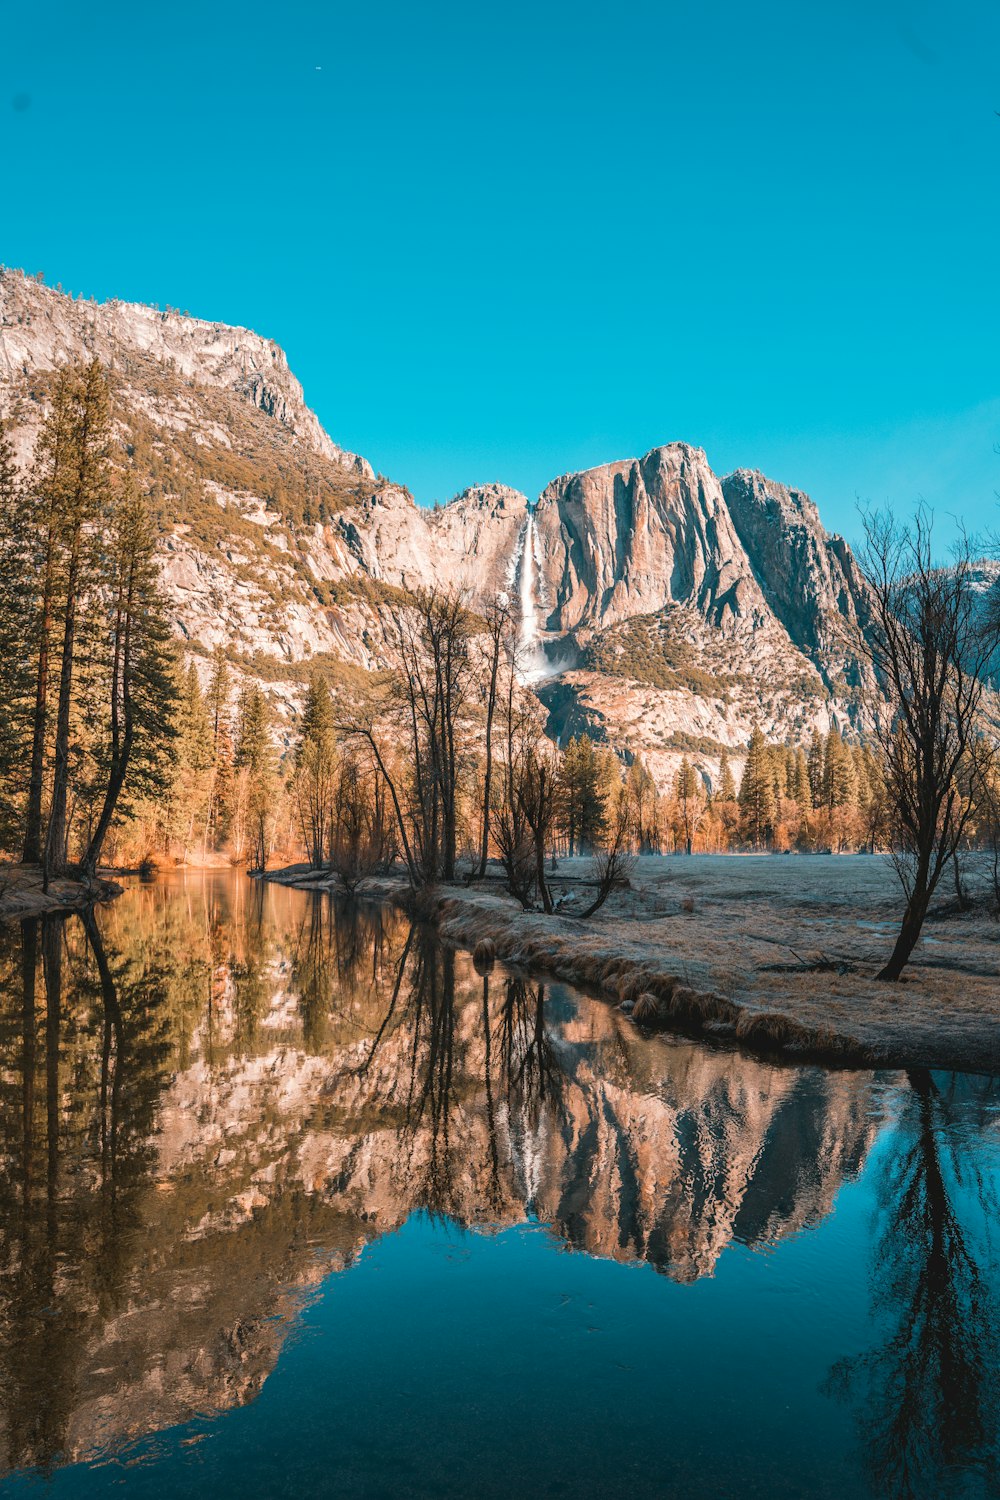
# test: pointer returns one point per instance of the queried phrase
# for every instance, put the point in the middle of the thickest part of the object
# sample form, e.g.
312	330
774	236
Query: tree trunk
909	934
491	704
29	964
32	851
52	935
55	844
122	737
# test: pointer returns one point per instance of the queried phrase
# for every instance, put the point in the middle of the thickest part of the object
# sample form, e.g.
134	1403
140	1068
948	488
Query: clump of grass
630	986
768	1027
484	955
646	1009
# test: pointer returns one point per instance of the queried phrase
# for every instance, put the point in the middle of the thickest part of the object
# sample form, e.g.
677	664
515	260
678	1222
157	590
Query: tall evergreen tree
686	788
757	808
16	601
584	789
839	775
80	498
727	786
139	701
255	762
316	783
44	506
816	762
194	761
803	786
218	696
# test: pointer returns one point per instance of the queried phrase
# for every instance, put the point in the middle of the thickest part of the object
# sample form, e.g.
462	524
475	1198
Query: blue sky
504	242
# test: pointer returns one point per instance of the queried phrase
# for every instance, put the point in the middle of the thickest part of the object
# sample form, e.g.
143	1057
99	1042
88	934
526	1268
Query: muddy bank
21	893
777	952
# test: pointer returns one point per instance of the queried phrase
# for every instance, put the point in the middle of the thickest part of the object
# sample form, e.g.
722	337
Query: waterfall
529	649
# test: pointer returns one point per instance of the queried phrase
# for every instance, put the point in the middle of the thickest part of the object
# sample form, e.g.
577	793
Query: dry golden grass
646	1009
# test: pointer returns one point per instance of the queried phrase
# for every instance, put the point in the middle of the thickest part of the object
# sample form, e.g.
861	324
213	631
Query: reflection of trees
249	970
372	1073
928	1395
65	1254
311	971
429	1097
338	951
502	1068
526	1059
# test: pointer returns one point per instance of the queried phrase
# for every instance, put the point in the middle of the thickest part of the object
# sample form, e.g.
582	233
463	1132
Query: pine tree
757	808
316	783
803	786
255	764
839	777
727	786
43	504
218	695
776	761
80	497
816	763
138	702
585	786
317	724
862	787
16	601
194	762
686	792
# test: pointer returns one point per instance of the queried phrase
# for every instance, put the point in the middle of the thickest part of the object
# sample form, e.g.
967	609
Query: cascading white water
529	613
530	657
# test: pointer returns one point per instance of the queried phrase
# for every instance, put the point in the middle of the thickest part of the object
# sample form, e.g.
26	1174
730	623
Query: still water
296	1203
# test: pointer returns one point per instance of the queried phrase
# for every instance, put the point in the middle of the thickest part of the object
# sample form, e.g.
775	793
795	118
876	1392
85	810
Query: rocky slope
674	608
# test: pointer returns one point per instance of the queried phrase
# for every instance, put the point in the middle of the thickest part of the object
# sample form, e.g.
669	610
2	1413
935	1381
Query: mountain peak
42	328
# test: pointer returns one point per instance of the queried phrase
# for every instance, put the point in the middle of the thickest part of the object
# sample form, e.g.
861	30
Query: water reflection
216	1094
928	1393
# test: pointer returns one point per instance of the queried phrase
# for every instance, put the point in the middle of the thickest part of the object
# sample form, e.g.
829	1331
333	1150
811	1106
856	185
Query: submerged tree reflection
225	1089
928	1395
66	1253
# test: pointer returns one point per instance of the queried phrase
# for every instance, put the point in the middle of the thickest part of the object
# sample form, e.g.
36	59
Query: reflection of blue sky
510	241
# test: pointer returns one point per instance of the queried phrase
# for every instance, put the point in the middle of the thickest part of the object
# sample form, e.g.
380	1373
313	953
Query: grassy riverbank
777	951
21	893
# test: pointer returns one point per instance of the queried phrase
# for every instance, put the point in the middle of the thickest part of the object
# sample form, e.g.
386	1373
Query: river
295	1202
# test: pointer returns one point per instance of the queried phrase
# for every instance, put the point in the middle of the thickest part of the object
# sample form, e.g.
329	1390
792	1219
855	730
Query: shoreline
21	893
823	1011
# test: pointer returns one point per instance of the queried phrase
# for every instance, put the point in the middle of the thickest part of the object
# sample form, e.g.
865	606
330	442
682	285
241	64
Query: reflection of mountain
247	1091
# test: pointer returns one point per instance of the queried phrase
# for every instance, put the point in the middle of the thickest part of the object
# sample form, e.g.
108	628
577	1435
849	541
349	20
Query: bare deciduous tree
422	711
498	626
930	644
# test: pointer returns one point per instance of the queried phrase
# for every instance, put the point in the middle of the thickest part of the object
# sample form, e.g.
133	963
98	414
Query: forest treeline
114	749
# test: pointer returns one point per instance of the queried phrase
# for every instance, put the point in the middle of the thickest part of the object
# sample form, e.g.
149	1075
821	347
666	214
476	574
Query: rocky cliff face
697	606
280	544
628	538
41	329
811	580
468	544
